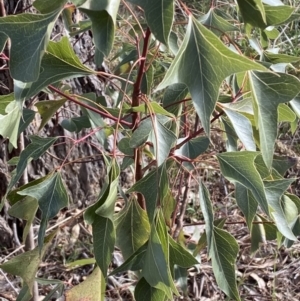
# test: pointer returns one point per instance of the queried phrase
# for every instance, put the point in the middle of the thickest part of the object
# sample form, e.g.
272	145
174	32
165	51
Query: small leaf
215	23
92	289
246	202
202	63
243	128
159	15
10	122
193	148
207	211
224	252
285	113
5	100
180	256
47	109
145	292
34	150
26	264
104	235
152	186
26	210
52	196
132	228
274	191
239	167
134	263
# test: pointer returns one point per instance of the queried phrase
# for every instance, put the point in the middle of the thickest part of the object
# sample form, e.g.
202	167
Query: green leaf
26	210
134	263
52	196
76	124
243	128
282	164
180	256
104	236
277	15
215	23
103	16
156	268
239	167
147	81
145	292
47	109
274	191
105	204
10	123
162	138
132	228
207	211
33	151
27	117
258	234
159	15
224	252
246	202
92	289
151	186
276	58
193	148
172	95
253	12
202	63
285	114
5	100
29	35
59	62
26	264
269	90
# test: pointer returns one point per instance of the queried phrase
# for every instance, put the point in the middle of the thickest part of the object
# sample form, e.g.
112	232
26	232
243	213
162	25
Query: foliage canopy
174	74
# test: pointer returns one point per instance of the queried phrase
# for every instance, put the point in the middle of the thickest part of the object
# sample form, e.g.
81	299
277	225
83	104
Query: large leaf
132	228
29	35
92	289
239	167
10	122
269	90
224	252
274	191
104	235
202	63
52	196
159	16
156	269
59	62
103	16
26	264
